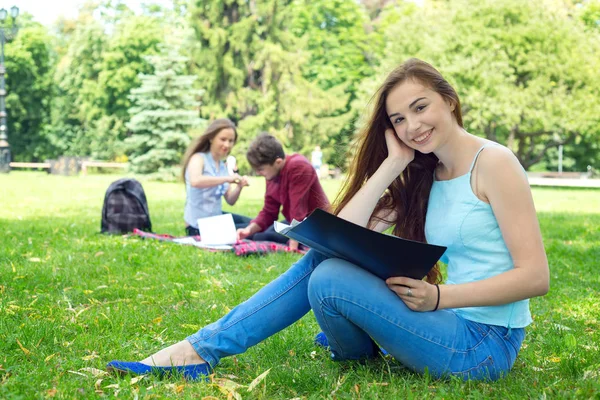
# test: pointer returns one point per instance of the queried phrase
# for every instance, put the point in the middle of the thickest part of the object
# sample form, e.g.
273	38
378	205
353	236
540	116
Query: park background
116	84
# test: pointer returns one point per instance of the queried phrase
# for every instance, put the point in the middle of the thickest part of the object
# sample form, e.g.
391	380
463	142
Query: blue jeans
355	309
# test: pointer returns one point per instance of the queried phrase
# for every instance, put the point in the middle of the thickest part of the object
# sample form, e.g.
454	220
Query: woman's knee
329	276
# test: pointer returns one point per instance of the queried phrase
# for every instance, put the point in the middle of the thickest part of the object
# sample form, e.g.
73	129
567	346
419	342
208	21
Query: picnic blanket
241	248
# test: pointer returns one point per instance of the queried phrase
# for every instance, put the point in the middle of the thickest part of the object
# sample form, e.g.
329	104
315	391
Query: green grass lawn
72	300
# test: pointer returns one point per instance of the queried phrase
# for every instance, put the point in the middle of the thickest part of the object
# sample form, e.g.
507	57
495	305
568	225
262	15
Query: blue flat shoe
190	372
321	341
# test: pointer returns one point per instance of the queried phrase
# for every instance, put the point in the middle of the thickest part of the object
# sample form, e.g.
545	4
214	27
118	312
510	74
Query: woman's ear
451	104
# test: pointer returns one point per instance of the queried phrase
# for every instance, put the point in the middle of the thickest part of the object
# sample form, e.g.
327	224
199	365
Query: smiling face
420	116
222	143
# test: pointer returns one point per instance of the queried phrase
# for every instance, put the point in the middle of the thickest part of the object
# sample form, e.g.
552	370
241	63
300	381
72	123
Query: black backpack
125	208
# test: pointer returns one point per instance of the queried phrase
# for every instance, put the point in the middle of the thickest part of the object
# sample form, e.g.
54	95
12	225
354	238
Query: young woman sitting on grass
207	178
419	170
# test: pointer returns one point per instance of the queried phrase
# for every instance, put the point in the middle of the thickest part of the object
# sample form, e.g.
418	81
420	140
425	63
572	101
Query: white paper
217	231
185	240
282	228
194	242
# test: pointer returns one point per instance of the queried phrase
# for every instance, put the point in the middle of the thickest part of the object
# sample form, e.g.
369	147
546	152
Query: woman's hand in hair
397	150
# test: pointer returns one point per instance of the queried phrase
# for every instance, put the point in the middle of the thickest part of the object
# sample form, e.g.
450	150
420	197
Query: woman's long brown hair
202	143
408	194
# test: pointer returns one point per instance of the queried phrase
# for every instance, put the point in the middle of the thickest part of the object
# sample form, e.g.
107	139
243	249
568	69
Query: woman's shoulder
500	167
495	156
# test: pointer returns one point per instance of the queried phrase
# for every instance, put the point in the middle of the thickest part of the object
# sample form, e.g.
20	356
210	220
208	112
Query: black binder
381	254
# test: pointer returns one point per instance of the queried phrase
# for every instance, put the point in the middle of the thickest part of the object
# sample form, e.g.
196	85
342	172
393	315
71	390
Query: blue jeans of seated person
355	308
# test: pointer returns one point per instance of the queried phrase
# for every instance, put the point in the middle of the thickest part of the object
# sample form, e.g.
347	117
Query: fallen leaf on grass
113	386
269	268
210	398
258	379
228	387
97	385
157	320
190	326
174	387
50	357
561	327
90	357
338	385
94	371
27	352
35	259
51	392
98	254
554	359
77	373
136	379
591	374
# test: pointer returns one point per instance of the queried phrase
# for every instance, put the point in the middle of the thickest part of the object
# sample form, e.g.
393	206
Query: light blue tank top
206	202
458	219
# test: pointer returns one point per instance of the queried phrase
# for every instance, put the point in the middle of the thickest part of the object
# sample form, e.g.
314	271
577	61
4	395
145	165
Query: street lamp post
6	34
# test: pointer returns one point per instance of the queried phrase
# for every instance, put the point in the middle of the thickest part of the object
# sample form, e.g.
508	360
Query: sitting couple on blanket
291	182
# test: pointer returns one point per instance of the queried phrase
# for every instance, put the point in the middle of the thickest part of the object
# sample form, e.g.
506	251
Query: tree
97	71
164	109
29	66
251	65
523	69
77	104
341	55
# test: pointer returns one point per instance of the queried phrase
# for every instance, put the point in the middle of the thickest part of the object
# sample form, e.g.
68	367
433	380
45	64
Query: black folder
381	254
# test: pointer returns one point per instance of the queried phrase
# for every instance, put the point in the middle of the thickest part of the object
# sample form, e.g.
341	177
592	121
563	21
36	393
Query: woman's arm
383	220
502	182
361	206
233	192
198	180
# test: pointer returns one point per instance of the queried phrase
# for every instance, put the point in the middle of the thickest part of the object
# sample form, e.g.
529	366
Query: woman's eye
421	107
398	120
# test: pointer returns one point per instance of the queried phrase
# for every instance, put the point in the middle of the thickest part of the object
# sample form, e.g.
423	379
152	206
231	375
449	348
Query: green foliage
252	66
589	13
94	78
304	71
524	70
162	114
341	56
29	66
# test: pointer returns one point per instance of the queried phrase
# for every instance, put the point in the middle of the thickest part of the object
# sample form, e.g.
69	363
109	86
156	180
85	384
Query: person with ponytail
418	170
207	178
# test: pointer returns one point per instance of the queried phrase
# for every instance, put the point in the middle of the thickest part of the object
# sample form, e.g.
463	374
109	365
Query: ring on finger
409	293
